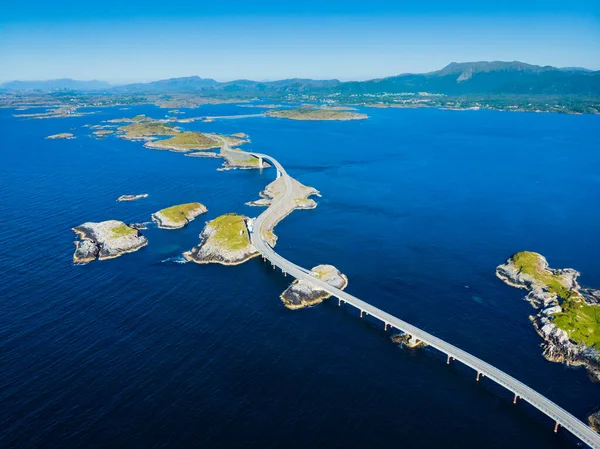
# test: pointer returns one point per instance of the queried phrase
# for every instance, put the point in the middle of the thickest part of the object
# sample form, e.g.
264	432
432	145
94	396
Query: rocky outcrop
176	217
594	421
407	340
225	240
304	294
132	197
556	293
61	136
106	240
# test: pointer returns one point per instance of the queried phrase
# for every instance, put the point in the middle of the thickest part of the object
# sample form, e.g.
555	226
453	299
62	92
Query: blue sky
142	41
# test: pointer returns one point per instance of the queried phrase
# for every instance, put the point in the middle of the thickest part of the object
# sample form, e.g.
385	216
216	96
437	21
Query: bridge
560	416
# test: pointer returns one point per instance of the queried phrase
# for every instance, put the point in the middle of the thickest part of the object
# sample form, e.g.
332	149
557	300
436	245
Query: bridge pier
478	374
278	173
448	360
515	399
361	312
556	427
260	162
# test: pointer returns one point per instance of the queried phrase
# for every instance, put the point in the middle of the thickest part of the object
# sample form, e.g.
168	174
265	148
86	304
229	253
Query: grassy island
578	318
230	232
176	217
147	129
185	141
307	113
61	136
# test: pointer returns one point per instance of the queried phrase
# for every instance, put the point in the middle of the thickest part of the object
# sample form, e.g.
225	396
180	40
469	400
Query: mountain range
466	78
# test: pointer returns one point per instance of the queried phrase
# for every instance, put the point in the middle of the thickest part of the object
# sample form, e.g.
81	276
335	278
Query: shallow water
417	209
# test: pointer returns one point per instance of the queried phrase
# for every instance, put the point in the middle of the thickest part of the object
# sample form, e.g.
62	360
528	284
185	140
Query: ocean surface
418	207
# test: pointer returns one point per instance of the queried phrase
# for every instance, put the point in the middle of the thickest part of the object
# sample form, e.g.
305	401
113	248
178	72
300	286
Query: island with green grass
105	240
176	217
146	130
310	113
568	316
225	240
185	141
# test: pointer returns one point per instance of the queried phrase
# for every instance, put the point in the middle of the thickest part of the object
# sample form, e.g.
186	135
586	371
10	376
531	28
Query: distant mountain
54	85
486	78
457	78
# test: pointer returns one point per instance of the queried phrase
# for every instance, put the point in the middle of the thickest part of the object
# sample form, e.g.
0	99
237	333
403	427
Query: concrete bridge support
278	173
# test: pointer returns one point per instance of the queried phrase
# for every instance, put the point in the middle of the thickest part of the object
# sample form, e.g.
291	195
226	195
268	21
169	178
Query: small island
225	240
407	340
61	136
132	197
105	240
185	141
146	130
303	294
568	316
103	132
176	217
309	113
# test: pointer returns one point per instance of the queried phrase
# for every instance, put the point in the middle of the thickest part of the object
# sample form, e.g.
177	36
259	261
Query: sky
135	41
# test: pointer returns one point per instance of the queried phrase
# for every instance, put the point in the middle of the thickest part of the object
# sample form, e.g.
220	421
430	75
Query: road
549	408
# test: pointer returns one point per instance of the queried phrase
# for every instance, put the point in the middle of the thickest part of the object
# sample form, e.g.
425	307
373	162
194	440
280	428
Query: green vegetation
308	113
531	263
230	232
178	213
122	231
580	320
148	129
188	140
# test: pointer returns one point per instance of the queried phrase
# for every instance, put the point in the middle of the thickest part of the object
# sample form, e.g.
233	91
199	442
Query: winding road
546	406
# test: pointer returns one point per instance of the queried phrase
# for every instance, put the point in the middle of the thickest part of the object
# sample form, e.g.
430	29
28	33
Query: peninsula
225	240
568	316
176	217
105	240
303	294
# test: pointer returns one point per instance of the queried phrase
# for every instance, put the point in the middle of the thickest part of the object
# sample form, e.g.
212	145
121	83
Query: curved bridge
520	390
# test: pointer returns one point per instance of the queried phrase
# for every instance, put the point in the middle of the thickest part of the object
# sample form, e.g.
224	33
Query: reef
105	240
132	197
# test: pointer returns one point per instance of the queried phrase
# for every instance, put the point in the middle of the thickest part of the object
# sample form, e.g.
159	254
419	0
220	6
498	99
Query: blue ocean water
417	209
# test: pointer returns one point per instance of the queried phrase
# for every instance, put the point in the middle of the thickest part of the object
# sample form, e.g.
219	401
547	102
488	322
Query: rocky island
300	200
61	136
302	294
225	240
176	217
102	133
132	197
185	141
146	130
309	113
105	240
568	316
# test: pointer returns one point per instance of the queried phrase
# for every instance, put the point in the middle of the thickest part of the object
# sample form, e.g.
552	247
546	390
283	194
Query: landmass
568	316
103	132
105	240
225	240
300	200
303	294
146	130
236	158
307	113
211	154
185	141
176	217
137	119
132	197
61	136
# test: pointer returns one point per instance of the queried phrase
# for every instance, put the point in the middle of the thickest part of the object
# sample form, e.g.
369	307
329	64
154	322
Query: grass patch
122	231
581	321
231	232
189	140
530	263
178	213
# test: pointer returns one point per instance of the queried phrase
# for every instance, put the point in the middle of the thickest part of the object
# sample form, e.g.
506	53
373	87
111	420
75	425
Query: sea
418	207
